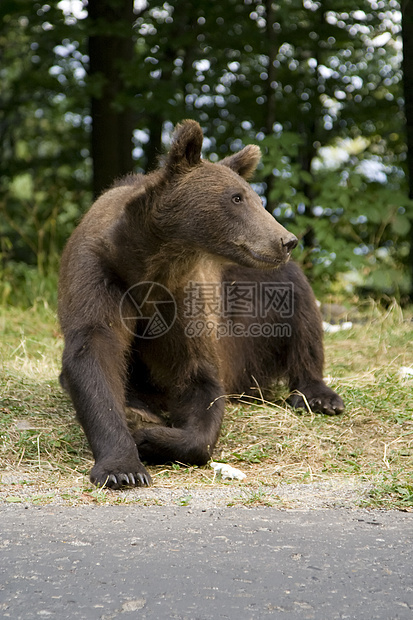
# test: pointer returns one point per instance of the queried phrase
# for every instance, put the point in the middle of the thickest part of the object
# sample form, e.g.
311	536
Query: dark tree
407	33
111	49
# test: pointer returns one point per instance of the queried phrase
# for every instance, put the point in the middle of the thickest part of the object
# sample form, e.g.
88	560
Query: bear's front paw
320	399
114	474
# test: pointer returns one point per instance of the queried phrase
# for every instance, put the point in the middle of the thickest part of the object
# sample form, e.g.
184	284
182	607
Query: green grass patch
44	454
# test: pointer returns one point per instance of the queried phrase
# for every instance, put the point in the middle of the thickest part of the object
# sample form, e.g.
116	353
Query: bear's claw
101	477
327	402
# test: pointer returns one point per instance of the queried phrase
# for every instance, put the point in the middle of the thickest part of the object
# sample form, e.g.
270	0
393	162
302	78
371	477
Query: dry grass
44	455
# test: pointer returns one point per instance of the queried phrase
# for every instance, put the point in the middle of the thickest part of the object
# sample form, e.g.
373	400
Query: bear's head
211	207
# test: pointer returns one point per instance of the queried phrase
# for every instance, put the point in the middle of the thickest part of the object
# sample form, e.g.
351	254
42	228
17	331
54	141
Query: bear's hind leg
305	363
300	357
318	396
196	417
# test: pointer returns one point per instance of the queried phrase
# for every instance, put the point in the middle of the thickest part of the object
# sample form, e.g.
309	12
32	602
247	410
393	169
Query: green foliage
24	285
316	84
358	225
44	166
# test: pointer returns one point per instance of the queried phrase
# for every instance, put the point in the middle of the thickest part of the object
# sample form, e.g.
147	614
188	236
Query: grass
44	455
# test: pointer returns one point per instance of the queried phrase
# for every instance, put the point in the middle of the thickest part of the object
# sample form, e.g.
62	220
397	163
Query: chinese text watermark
220	309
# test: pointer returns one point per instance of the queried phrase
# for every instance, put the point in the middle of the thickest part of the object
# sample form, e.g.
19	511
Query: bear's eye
236	199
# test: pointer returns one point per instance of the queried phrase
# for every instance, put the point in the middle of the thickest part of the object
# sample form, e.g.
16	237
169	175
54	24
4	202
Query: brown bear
175	291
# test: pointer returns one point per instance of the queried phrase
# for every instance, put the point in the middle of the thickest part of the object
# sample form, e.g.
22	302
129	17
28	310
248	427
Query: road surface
158	563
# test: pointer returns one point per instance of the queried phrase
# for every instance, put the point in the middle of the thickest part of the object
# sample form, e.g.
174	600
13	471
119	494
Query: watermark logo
230	329
236	309
239	299
148	310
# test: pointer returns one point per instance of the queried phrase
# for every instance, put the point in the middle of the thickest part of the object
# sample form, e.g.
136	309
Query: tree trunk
153	148
270	112
407	35
110	50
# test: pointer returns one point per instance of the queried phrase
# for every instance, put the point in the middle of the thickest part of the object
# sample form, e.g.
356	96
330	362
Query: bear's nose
290	243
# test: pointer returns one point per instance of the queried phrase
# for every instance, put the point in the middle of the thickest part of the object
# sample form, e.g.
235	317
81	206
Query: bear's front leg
93	374
196	416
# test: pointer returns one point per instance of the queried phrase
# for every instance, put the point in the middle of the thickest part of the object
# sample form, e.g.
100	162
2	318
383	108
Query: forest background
91	90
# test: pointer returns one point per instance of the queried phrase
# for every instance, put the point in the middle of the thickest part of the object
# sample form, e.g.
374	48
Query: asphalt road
165	562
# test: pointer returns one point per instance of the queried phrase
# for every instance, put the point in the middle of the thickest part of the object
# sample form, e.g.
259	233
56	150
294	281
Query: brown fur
190	220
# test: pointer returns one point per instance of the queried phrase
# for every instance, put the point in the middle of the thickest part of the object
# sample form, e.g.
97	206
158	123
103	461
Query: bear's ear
244	162
185	150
